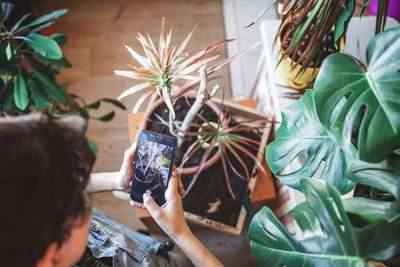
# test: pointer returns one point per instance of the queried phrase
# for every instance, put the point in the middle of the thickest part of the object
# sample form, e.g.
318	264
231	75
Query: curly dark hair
45	166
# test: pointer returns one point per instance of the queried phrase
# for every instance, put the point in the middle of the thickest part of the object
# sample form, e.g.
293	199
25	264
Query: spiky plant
309	32
230	142
170	71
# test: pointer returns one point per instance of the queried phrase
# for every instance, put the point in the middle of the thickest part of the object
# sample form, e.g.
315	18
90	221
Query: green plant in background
312	30
330	238
29	62
348	126
304	132
372	99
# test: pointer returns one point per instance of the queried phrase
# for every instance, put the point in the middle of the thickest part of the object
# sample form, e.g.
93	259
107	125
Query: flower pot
199	194
288	74
189	170
261	185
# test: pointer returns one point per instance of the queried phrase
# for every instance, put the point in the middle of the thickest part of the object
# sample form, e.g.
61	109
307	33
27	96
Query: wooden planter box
261	186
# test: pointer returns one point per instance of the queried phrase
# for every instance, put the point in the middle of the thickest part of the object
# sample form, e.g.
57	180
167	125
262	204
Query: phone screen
153	165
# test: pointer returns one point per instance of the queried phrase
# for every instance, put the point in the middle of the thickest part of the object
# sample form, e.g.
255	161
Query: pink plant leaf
226	158
238	139
223	63
131	74
197	65
225	169
135	89
161	119
201	166
190	152
248	153
190	85
162	39
185	42
141	100
141	60
167	99
151	54
236	155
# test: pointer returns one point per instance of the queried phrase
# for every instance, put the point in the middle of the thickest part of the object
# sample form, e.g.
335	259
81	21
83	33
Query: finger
130	152
172	187
137	204
178	172
181	189
150	205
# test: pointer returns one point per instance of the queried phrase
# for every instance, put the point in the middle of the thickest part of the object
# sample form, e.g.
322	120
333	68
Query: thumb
151	205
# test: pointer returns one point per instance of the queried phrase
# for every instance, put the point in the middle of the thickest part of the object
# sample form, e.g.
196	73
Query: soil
181	109
327	49
209	197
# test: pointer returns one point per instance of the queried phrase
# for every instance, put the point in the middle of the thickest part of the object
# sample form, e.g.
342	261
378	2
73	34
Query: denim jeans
107	238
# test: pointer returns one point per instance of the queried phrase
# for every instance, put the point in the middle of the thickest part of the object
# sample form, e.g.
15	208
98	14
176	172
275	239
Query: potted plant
193	117
348	127
29	63
309	32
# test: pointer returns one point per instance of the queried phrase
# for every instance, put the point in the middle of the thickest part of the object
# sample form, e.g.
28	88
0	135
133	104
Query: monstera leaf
300	132
329	237
384	176
371	95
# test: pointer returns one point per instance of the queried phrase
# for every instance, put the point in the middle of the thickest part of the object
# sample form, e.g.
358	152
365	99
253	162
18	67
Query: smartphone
153	166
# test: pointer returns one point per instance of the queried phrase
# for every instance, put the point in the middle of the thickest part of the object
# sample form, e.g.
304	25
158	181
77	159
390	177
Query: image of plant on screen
152	166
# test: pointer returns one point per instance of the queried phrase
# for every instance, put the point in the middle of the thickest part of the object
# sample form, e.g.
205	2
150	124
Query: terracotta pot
288	75
211	161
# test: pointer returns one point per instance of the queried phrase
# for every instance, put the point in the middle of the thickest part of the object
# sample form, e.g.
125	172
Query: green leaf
94	105
10	51
11	67
44	46
3	55
267	7
7	9
52	89
48	17
43	26
93	147
60	38
38	95
6	96
363	7
21	97
381	15
343	20
61	63
41	68
329	237
19	22
299	132
384	176
114	102
109	116
370	94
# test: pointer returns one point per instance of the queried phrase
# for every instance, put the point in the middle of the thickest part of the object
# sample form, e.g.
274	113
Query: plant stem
202	97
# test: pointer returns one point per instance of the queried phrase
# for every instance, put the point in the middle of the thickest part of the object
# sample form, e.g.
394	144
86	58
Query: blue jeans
107	238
